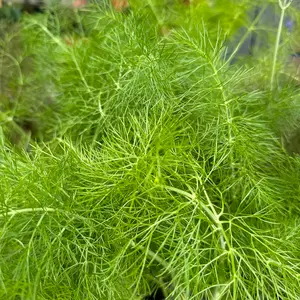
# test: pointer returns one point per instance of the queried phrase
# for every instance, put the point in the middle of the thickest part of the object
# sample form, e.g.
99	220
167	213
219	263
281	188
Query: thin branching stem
283	4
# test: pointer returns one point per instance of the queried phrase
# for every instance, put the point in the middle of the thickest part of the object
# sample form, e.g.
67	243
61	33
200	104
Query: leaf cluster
158	168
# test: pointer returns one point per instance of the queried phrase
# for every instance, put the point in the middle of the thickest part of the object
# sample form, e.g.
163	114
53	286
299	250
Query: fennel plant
159	167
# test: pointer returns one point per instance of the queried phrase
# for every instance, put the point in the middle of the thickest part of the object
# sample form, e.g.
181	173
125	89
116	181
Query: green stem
215	218
154	12
26	210
153	255
283	7
243	39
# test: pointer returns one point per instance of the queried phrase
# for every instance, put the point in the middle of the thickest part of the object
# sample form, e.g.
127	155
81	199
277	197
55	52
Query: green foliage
27	89
158	166
228	15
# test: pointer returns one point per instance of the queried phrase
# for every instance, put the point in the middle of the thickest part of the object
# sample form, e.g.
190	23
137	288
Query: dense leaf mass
153	164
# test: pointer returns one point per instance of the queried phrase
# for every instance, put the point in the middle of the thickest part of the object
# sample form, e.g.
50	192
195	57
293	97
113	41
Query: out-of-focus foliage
227	15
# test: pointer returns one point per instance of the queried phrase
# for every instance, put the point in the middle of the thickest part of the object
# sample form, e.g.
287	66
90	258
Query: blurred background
250	25
248	29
